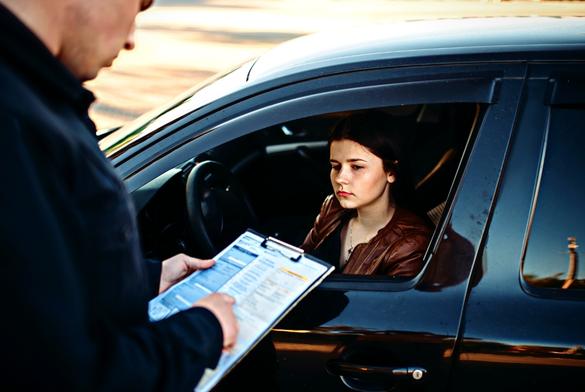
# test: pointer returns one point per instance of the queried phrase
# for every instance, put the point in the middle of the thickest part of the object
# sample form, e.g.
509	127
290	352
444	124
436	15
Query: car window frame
564	89
420	85
137	159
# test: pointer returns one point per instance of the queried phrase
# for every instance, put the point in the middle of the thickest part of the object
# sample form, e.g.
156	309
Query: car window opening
284	171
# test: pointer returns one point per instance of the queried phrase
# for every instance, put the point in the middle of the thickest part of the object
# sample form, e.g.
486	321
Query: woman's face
357	175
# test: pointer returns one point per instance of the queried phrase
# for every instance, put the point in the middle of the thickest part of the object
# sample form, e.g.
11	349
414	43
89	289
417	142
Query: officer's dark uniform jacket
74	284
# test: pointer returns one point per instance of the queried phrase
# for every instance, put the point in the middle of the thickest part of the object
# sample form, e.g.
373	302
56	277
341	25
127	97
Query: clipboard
267	276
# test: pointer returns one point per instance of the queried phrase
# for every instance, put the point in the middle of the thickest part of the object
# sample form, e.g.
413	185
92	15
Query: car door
525	320
368	333
371	333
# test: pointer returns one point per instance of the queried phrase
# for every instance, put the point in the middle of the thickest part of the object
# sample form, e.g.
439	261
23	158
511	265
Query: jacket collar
23	51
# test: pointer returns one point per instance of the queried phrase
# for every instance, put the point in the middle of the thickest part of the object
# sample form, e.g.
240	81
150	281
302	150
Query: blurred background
180	43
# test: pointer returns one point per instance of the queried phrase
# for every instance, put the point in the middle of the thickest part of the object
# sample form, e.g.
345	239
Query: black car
493	119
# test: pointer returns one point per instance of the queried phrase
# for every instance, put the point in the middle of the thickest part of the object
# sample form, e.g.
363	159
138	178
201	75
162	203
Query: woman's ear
391	177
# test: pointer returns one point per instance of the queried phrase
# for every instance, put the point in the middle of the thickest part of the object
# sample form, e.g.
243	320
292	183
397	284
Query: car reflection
452	263
518	354
560	279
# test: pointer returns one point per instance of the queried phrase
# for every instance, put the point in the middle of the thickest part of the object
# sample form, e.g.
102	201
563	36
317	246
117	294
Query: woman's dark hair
372	130
382	135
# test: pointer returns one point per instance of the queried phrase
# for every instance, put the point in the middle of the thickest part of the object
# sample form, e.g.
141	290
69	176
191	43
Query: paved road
182	42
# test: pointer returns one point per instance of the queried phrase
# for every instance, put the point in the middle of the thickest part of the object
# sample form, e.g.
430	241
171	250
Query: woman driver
361	225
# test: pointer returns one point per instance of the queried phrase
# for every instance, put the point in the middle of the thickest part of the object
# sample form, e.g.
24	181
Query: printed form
266	277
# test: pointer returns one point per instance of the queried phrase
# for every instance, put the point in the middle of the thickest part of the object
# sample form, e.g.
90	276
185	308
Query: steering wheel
218	208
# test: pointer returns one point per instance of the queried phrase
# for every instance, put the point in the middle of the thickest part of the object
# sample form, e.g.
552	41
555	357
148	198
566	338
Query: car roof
422	40
397	43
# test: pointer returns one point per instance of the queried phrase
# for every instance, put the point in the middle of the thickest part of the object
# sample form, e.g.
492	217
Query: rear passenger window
557	233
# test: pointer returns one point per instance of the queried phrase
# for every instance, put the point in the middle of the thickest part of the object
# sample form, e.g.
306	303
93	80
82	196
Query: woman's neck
375	216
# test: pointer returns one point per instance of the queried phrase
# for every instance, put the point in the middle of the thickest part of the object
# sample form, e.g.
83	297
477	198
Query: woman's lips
343	194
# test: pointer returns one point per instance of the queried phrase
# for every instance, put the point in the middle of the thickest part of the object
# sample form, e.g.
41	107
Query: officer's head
94	32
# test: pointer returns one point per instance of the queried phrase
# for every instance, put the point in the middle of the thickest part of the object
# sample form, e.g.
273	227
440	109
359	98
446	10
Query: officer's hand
221	305
178	267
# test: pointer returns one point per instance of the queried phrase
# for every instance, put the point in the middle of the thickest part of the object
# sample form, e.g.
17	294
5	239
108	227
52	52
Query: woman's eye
335	167
356	167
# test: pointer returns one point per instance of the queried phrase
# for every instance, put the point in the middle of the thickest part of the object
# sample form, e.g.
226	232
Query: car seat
435	154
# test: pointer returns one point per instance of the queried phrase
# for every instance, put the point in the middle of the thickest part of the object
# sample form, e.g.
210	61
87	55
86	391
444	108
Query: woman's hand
179	266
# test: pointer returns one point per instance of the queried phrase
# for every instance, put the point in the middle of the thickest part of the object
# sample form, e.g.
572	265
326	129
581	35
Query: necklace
350	249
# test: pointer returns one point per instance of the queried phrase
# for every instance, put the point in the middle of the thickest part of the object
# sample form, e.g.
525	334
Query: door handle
354	370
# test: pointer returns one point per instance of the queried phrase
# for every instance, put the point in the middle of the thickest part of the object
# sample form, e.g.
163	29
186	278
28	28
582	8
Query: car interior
275	179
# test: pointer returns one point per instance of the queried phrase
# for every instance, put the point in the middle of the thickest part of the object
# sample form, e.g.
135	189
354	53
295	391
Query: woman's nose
341	177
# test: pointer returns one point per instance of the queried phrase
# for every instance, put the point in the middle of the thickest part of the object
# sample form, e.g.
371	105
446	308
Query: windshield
201	95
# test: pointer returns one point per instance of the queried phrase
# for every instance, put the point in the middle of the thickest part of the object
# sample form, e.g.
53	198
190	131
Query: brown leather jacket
396	250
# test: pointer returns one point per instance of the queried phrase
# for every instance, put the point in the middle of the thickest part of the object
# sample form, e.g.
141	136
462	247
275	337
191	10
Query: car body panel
534	340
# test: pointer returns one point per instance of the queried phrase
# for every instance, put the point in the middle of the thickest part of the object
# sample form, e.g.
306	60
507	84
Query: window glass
553	256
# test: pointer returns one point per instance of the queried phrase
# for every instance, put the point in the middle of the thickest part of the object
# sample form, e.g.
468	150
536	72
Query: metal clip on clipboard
287	250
